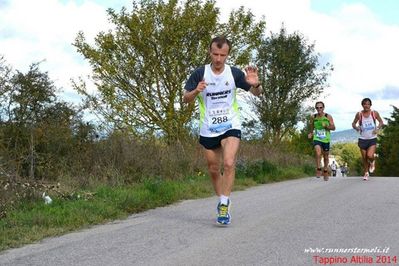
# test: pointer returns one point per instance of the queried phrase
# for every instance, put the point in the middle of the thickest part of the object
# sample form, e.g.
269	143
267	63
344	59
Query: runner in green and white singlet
321	124
320	132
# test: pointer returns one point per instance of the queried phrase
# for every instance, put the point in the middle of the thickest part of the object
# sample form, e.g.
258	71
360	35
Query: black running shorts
212	143
324	146
364	144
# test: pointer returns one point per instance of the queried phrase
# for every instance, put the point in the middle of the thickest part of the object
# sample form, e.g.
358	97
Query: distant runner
344	170
333	169
320	126
365	122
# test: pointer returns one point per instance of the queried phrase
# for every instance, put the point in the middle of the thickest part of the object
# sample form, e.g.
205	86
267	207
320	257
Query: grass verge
32	221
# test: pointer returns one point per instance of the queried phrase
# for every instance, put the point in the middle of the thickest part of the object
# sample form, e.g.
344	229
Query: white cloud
364	59
359	45
45	30
362	48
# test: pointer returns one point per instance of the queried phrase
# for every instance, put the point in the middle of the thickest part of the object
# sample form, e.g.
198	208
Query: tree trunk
32	156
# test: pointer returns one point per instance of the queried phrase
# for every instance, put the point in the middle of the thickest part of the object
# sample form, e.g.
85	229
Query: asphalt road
345	221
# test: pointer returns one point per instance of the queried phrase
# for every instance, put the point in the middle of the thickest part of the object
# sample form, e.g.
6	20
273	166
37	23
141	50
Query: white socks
224	200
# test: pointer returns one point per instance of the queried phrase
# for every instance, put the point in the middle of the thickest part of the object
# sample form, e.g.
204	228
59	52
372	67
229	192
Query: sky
360	38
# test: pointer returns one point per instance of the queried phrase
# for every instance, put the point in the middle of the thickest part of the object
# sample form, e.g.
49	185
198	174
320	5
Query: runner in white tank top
365	122
368	125
219	111
214	86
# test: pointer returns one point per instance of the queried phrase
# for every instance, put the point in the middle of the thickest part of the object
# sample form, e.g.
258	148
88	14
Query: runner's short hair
366	100
220	40
319	102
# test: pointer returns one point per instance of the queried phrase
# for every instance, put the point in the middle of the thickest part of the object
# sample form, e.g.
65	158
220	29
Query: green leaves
290	74
36	129
141	66
388	148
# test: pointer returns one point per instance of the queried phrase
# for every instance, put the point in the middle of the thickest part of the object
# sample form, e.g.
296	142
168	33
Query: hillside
344	136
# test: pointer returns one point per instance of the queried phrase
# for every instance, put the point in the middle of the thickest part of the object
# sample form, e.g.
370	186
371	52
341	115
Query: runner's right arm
311	127
355	120
194	85
189	96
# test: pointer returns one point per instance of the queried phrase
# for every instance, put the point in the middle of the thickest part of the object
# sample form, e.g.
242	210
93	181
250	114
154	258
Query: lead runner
214	86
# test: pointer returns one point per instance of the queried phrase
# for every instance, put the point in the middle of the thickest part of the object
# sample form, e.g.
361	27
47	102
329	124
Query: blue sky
360	38
385	10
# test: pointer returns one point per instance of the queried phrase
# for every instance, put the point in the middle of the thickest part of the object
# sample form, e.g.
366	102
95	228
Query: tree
299	141
37	130
290	74
140	67
388	147
34	92
5	78
348	153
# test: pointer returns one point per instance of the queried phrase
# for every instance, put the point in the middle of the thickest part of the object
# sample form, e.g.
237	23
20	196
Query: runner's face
366	106
319	108
219	56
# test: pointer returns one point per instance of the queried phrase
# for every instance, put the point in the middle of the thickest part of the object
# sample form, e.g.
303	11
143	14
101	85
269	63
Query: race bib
219	120
368	126
321	133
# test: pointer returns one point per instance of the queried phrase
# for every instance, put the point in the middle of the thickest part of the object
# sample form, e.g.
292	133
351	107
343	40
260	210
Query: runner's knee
213	168
229	164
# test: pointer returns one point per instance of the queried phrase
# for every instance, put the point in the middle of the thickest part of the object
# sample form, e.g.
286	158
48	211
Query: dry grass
120	160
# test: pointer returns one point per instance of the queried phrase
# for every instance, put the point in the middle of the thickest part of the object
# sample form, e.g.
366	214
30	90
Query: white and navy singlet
219	110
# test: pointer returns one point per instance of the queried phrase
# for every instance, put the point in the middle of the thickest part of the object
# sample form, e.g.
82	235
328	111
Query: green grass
32	221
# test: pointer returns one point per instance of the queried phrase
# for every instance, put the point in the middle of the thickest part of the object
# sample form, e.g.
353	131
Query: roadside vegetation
349	154
117	187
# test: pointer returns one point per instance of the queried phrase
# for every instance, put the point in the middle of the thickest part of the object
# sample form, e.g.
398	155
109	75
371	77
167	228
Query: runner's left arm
252	79
379	119
311	127
331	126
354	123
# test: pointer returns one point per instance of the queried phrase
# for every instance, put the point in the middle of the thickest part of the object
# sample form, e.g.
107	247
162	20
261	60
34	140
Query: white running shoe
372	167
366	176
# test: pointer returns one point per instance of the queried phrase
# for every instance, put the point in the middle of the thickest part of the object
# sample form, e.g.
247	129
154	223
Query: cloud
387	93
36	31
361	47
364	61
